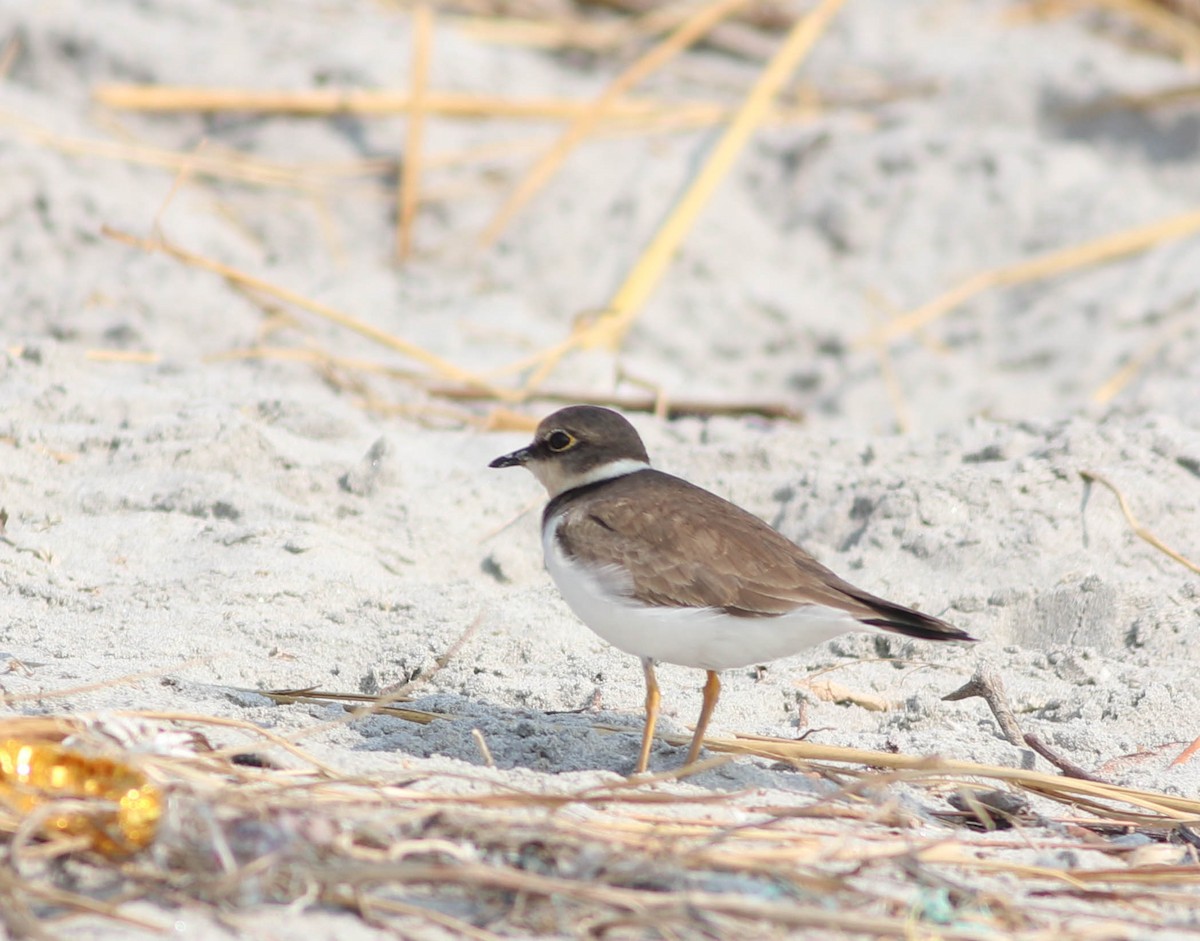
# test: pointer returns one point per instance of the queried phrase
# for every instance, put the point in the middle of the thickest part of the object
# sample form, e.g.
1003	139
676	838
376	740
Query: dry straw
403	846
615	857
366	103
1169	25
210	163
437	364
1138	529
470	386
610	326
692	29
1174	24
419	102
410	174
682	24
1050	265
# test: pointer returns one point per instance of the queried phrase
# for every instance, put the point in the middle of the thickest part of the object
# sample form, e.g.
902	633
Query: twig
410	173
1138	529
988	686
1066	765
1098	251
691	30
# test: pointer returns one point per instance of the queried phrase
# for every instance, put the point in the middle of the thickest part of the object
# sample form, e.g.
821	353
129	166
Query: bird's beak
515	459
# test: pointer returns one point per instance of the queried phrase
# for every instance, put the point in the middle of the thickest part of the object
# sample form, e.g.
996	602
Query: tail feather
902	620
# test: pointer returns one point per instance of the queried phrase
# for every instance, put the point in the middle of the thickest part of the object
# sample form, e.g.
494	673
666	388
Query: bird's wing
686	547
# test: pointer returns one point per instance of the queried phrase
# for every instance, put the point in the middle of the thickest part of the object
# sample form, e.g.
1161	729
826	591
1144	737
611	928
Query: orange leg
712	690
652	700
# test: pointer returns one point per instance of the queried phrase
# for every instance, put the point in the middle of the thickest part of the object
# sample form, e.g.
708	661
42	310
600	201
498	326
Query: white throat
556	480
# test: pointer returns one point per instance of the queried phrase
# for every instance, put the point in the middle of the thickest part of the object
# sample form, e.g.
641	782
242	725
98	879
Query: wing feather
686	547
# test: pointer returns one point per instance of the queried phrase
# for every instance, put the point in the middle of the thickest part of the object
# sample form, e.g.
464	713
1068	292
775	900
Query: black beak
515	459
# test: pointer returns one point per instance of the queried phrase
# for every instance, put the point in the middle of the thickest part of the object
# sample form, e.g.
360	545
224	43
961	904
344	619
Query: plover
668	571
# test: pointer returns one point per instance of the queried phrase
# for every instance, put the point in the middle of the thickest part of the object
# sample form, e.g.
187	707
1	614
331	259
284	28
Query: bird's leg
652	700
712	690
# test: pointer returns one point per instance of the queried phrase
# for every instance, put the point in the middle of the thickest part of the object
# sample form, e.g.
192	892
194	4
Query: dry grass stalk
456	926
912	768
227	165
385	846
628	116
1067	790
374	706
672	407
1165	97
364	103
368	705
497	418
1162	338
560	33
410	173
484	751
8	56
383	703
10	699
610	326
699	23
320	359
1099	251
503	419
887	371
1172	29
1138	529
770	15
645	21
574	32
626	304
140	357
1168	23
253	730
441	367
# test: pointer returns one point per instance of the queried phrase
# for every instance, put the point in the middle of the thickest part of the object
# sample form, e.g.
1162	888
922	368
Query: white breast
706	638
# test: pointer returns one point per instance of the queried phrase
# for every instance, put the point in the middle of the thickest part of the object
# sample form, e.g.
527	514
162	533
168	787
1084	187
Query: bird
670	572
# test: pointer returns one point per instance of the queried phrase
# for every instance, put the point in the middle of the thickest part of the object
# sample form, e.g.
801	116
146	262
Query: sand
229	525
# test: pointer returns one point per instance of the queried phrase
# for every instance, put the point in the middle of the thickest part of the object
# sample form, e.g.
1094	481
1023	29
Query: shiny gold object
33	774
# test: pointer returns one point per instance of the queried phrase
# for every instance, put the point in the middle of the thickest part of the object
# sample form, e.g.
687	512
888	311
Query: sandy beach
213	493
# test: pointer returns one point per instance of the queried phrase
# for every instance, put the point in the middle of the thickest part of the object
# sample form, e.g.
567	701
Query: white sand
201	511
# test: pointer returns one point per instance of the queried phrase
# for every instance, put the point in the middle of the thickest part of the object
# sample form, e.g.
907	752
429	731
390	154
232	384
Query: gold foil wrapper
34	774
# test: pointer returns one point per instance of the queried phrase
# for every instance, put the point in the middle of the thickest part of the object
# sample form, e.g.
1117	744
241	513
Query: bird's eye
559	441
